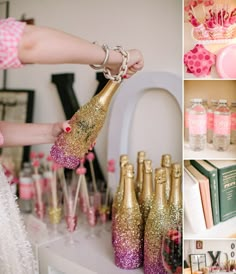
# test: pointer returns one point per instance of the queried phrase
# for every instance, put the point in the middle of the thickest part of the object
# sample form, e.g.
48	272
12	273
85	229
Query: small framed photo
16	106
199	244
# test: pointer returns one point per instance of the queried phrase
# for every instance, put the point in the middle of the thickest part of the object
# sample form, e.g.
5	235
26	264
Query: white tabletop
209	153
88	255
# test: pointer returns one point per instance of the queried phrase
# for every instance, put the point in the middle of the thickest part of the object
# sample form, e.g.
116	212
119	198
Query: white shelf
209	153
189	43
92	255
222	230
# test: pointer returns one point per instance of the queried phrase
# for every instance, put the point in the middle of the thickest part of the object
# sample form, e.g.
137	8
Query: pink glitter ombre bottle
128	234
118	197
86	123
156	225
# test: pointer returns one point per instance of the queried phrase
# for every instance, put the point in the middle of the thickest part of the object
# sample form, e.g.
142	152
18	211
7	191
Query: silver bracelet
123	68
107	52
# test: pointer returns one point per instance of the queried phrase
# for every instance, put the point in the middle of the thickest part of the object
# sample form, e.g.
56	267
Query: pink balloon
90	156
81	170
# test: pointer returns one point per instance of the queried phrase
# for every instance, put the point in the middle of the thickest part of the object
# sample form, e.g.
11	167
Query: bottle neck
129	199
160	195
168	172
147	185
140	172
176	194
106	94
122	179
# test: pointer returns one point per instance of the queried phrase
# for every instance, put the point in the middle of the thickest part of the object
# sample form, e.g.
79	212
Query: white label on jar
222	124
197	124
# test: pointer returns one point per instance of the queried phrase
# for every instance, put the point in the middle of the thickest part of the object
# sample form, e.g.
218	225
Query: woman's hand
135	62
60	127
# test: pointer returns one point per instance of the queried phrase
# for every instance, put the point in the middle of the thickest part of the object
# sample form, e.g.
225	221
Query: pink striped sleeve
10	34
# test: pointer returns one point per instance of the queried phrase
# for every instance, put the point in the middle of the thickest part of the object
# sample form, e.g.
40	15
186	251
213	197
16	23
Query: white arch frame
124	104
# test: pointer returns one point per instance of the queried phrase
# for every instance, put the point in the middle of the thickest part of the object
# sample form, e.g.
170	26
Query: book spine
206	202
193	205
214	189
227	191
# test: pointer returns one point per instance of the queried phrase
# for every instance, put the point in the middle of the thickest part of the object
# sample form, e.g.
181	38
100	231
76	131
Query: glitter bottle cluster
147	220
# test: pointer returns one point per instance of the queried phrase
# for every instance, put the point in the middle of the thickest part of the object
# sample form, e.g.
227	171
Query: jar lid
196	100
222	101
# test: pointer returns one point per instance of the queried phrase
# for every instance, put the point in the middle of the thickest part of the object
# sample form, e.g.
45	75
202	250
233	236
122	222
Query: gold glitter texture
166	163
139	179
175	204
128	244
86	123
55	215
145	199
119	193
157	224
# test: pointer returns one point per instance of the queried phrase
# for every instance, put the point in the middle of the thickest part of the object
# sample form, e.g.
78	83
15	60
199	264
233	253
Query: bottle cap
160	175
129	170
166	160
197	100
147	166
176	170
123	159
222	101
141	156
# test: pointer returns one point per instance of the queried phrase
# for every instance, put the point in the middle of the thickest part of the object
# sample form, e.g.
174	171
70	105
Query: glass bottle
233	123
172	240
145	199
26	189
166	163
205	103
210	120
175	203
156	225
186	125
222	126
86	123
186	120
139	178
128	245
197	125
118	197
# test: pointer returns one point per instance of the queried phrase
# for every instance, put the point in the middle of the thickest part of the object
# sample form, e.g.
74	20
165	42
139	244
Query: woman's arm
43	45
16	134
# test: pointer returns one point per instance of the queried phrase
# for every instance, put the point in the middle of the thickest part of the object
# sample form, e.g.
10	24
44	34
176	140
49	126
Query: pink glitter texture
59	157
128	257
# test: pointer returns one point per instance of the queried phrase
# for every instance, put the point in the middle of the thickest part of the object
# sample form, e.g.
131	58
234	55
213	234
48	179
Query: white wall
153	26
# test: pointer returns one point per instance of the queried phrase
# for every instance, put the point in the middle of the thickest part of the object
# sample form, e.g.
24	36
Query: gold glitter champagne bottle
166	163
172	240
145	199
119	192
139	178
156	225
86	123
175	203
128	244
